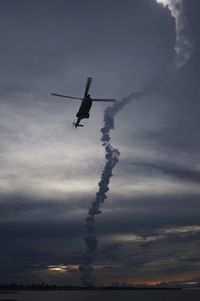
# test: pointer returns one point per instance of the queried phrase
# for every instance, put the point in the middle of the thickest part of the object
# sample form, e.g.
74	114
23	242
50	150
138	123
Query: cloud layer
49	172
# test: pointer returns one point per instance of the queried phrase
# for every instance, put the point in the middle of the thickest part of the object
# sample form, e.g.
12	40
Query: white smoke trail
183	50
184	46
86	268
112	158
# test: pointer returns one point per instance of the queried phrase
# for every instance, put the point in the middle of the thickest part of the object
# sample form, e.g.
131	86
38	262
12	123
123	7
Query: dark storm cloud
41	230
57	34
147	215
182	247
44	241
163	256
28	248
46	180
23	207
151	168
28	260
140	215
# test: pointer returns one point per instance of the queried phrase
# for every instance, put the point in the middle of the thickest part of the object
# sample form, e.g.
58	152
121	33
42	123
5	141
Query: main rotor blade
66	96
98	99
88	83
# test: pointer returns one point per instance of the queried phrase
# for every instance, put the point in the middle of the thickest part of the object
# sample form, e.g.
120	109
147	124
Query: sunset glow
62	268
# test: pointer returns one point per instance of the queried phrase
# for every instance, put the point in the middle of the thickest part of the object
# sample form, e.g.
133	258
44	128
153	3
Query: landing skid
76	125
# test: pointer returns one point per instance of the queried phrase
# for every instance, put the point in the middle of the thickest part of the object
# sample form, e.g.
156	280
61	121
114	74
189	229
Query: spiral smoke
184	45
112	157
183	49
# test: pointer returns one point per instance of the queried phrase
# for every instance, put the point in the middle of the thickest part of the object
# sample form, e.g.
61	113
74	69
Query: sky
149	229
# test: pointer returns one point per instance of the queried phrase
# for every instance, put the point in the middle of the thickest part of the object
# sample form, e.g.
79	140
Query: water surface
140	295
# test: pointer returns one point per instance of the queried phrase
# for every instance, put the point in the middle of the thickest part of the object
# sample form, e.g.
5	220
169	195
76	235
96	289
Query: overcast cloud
49	172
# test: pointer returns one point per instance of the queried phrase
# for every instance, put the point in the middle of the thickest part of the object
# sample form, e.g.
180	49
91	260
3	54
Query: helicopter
86	103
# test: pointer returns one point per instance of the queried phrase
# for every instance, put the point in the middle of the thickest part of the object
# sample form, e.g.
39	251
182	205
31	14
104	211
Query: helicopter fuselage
84	108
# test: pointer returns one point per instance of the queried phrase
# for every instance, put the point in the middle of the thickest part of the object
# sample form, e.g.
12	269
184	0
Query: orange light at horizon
184	280
153	282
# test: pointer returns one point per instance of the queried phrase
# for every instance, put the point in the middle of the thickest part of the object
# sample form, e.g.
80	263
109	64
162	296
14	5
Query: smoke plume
112	157
183	50
184	46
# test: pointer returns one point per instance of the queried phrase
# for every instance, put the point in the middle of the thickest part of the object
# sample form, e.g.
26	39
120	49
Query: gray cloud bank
46	179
